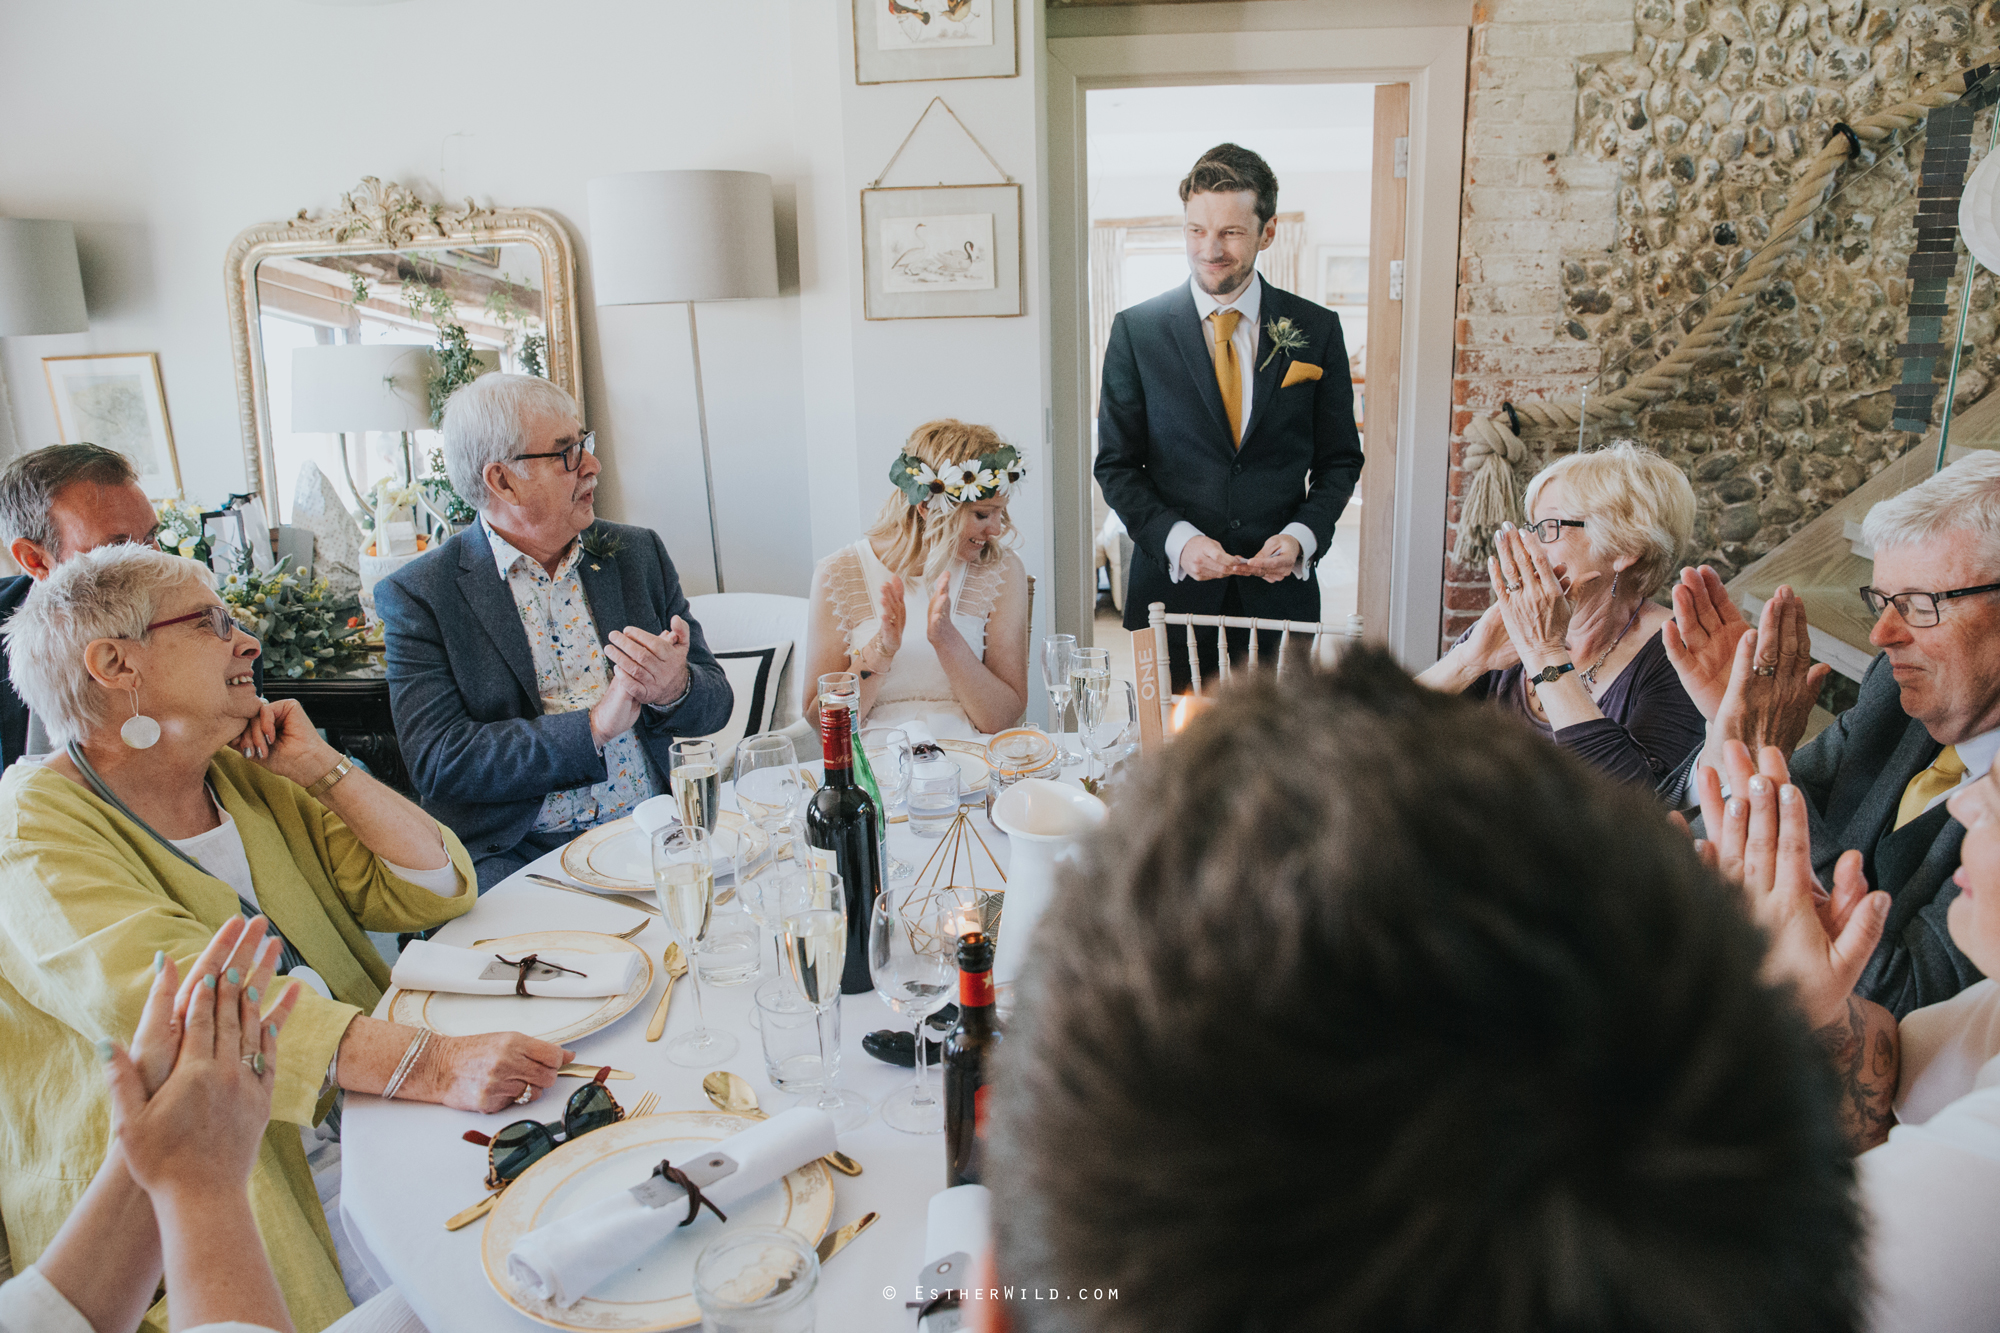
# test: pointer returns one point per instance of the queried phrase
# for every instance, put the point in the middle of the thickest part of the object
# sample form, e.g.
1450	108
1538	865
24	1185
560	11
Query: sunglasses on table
571	455
518	1146
216	619
1919	610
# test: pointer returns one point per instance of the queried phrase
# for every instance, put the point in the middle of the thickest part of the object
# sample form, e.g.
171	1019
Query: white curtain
1280	263
1107	294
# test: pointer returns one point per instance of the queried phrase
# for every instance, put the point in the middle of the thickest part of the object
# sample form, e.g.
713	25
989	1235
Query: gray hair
29	485
113	592
1965	497
486	422
1638	504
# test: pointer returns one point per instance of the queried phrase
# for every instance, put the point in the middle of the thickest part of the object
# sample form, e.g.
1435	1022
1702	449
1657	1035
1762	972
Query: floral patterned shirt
571	672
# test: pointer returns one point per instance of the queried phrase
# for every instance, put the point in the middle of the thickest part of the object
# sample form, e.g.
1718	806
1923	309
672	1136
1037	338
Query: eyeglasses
1919	610
518	1146
216	618
572	457
1550	529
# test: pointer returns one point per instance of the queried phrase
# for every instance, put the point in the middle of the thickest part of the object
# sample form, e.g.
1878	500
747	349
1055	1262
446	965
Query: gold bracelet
325	784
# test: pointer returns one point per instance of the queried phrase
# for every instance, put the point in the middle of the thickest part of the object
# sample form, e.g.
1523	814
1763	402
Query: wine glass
888	751
912	957
684	875
816	949
697	783
1090	688
1057	652
766	776
1115	736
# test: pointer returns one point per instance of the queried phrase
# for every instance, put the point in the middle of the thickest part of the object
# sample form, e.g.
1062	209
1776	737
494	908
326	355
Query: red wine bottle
841	819
968	1057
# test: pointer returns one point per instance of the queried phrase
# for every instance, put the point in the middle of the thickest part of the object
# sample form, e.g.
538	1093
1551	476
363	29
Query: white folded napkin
656	812
563	1261
916	731
428	965
957	1223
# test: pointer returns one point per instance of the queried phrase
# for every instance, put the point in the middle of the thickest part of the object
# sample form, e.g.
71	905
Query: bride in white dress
930	607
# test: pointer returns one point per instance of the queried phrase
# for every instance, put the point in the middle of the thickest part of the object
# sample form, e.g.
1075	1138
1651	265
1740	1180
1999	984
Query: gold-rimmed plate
970	756
619	855
552	1018
657	1292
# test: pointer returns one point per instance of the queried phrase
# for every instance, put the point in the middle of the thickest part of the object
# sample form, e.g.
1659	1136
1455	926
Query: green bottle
864	778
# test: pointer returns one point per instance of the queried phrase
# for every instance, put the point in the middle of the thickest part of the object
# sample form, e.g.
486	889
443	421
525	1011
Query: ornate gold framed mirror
386	267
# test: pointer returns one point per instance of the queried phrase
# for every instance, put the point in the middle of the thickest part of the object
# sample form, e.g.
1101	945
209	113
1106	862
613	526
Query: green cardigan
87	897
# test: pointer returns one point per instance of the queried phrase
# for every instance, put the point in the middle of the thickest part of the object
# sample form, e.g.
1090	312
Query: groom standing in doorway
1225	426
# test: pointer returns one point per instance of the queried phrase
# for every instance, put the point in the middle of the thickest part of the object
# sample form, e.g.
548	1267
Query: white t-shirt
1933	1190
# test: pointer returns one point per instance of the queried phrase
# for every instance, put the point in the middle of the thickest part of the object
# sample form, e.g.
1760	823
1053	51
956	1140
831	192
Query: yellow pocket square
1299	372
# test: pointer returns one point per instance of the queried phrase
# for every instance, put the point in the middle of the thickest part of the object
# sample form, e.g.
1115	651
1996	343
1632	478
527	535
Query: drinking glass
781	891
1090	688
792	1030
1115	736
912	957
767	777
934	797
684	875
816	951
888	751
1058	650
697	783
838	687
757	1280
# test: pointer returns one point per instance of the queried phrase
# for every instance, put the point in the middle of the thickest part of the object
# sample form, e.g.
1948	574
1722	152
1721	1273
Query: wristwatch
1551	674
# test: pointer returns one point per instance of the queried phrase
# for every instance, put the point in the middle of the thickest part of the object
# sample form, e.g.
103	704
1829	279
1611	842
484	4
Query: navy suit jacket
462	682
1164	452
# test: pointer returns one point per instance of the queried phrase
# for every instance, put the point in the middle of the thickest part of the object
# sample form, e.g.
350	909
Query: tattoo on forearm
1865	1065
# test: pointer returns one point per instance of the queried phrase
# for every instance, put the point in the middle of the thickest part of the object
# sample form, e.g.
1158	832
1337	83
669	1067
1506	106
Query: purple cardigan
1649	727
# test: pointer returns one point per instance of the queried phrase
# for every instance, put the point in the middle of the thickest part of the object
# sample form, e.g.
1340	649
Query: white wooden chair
1328	643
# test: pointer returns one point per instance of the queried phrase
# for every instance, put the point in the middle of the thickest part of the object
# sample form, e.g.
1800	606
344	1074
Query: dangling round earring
140	732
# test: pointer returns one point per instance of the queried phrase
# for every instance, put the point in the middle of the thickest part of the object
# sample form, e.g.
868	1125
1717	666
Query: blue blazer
1164	452
462	682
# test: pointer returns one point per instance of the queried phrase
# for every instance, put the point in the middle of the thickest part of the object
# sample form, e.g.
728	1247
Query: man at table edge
525	714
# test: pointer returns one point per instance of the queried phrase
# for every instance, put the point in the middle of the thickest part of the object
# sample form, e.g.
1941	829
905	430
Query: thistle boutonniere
1285	336
599	544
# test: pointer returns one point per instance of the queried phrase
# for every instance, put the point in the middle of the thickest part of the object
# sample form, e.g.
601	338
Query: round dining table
405	1168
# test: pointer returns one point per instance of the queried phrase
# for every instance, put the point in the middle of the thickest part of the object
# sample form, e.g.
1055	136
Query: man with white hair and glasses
542	662
1927	723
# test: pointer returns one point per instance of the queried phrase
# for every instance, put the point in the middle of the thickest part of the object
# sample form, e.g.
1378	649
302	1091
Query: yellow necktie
1228	375
1940	777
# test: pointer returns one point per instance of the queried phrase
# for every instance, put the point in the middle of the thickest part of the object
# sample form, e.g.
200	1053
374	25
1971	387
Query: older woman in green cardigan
177	799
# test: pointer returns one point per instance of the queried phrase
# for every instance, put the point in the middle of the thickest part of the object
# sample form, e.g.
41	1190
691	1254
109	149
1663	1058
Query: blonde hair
113	592
1635	503
920	542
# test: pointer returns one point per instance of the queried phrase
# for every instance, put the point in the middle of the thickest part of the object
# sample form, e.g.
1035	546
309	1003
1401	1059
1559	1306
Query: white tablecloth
405	1169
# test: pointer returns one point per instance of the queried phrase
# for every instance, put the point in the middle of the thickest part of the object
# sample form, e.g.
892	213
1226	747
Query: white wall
163	130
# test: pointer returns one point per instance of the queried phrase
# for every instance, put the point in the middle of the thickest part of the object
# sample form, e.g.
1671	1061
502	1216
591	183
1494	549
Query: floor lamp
672	237
339	388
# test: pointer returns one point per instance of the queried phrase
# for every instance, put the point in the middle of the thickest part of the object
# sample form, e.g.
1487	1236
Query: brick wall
1621	155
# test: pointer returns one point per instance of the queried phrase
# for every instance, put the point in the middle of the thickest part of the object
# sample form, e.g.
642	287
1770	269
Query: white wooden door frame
1433	62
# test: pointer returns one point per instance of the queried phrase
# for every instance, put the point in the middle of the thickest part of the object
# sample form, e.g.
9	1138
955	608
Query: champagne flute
816	949
766	776
1115	736
912	958
1090	689
684	876
697	783
1058	650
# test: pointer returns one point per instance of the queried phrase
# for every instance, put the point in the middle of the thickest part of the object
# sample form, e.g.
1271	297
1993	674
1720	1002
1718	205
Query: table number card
1146	670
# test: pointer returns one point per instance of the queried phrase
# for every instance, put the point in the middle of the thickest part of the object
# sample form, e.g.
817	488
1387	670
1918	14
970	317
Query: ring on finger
527	1094
1767	670
256	1062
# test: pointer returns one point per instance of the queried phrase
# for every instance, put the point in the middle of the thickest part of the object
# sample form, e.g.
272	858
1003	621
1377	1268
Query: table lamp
41	287
672	237
343	387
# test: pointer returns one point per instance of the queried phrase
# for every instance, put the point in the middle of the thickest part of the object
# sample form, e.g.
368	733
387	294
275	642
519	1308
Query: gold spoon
616	935
677	967
732	1094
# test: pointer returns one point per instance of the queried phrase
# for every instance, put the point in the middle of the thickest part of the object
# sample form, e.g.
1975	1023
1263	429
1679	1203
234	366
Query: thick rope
1493	451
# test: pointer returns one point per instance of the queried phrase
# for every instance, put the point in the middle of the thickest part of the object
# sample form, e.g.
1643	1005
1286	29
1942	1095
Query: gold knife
621	900
837	1241
590	1071
459	1221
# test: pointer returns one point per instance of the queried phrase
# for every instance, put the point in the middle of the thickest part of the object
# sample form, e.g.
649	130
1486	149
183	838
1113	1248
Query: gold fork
616	935
645	1106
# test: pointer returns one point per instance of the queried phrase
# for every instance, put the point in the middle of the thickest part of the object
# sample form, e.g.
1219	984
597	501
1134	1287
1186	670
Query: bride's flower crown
954	484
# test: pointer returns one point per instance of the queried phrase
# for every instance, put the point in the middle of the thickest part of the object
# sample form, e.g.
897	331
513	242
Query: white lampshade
666	236
41	287
358	386
1979	213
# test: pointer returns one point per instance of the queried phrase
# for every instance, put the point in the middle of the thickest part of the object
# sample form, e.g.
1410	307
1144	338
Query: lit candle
1187	707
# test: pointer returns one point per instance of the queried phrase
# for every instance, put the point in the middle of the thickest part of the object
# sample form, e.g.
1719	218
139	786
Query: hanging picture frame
941	252
904	41
119	402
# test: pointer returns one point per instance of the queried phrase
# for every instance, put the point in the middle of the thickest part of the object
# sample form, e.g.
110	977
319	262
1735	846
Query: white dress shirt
1244	340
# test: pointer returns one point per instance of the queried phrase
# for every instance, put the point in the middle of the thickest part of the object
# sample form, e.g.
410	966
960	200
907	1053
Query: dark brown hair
1227	169
29	485
1370	1010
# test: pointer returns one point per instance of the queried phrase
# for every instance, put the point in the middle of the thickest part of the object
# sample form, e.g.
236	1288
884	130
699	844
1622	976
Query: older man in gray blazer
1927	723
541	662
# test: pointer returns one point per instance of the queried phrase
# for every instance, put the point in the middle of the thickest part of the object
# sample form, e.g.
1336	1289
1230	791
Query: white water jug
1042	821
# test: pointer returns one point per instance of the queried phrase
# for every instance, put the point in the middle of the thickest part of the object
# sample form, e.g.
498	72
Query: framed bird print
941	252
902	41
